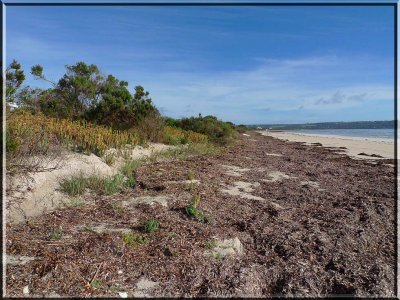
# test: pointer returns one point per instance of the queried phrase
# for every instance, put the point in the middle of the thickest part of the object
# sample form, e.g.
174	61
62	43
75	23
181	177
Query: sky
248	65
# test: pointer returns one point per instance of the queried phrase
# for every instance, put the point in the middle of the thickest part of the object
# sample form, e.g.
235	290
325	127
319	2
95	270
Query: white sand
42	194
354	145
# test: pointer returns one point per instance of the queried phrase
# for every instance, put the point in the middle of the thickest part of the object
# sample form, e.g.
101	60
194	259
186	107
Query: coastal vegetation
87	111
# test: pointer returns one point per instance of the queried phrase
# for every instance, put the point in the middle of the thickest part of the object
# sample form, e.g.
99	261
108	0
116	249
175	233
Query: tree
14	78
84	93
76	92
142	104
115	105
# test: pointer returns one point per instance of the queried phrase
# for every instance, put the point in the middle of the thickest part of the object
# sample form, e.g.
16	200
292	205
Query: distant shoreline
345	137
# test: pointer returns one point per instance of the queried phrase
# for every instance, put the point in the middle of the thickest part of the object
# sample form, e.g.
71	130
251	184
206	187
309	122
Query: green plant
74	186
132	239
113	184
194	211
190	175
217	255
126	154
217	131
151	225
56	235
109	159
106	185
130	166
211	243
95	283
129	170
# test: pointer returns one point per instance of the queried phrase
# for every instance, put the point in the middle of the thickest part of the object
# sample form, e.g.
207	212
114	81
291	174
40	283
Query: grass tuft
56	235
133	239
211	243
74	186
109	159
151	225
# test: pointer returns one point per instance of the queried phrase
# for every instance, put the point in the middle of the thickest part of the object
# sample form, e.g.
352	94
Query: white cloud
315	84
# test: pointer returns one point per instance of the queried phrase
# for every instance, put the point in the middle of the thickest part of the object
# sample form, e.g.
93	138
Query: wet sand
372	148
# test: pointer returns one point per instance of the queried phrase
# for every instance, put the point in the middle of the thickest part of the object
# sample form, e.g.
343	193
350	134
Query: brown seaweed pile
311	222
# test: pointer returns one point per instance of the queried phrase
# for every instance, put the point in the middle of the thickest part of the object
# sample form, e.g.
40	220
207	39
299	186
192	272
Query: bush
132	239
151	225
78	135
217	131
194	211
241	128
176	136
150	128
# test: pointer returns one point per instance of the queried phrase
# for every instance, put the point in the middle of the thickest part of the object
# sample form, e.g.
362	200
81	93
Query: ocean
373	134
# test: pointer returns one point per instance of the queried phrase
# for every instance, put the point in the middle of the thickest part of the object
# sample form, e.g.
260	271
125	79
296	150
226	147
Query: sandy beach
280	218
372	148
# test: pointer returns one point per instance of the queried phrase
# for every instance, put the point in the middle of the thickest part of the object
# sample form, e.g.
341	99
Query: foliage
78	135
107	185
112	184
211	243
95	283
85	93
151	225
109	159
129	170
56	235
74	186
150	127
133	239
193	209
77	91
190	175
241	128
89	97
14	78
217	131
176	136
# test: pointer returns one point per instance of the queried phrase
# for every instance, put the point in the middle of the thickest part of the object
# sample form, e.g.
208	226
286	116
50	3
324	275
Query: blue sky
247	65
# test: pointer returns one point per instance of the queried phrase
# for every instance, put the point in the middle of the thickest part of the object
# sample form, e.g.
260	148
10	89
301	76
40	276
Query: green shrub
219	132
211	243
11	143
56	235
194	211
133	239
151	225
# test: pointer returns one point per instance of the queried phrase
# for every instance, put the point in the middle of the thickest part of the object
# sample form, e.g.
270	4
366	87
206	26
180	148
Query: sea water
373	134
